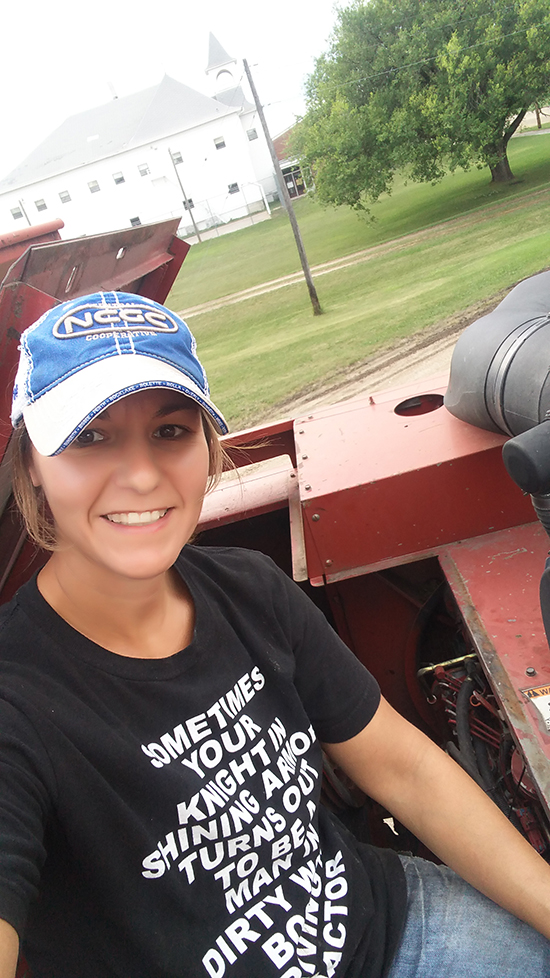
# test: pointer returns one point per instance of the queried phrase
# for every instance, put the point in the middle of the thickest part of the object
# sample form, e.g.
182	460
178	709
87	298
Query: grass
267	251
260	352
545	125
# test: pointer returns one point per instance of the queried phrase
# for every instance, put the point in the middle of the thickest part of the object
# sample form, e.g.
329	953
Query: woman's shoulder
12	613
228	560
27	626
239	573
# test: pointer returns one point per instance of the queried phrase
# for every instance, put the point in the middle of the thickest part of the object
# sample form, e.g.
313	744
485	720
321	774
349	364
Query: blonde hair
31	500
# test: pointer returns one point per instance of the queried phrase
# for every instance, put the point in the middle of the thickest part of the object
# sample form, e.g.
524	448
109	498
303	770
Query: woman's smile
137	519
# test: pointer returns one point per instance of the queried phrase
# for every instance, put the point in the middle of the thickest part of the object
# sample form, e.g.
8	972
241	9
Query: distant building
290	168
165	152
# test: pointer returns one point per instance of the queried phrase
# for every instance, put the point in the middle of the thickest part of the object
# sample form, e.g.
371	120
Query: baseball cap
87	353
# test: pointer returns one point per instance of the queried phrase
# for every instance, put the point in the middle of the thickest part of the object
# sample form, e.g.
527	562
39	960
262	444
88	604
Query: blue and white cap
83	355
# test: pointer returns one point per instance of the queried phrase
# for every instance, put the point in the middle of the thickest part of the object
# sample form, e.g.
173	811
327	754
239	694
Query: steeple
220	68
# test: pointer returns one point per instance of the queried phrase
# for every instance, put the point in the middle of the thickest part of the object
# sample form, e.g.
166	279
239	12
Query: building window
40	205
233	188
118	178
94	186
16	213
219	142
177	157
252	134
135	222
64	196
143	169
188	204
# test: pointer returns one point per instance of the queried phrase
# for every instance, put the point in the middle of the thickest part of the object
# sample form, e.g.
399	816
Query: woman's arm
9	950
401	768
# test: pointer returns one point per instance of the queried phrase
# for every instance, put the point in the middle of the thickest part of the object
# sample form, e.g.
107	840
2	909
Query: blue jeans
452	931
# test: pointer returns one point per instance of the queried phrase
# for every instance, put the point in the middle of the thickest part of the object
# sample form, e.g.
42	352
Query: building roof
122	124
281	142
235	99
217	56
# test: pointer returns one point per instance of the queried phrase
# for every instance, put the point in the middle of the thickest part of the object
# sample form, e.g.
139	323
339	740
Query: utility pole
286	197
188	206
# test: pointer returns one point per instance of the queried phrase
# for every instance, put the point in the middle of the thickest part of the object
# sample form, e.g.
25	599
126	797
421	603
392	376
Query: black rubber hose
489	780
541	504
463	725
482	761
456	754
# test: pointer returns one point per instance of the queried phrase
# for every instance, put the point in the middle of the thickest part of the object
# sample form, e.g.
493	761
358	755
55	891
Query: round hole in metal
421	404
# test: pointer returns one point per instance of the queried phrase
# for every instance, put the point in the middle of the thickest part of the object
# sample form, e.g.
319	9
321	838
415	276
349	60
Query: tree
429	85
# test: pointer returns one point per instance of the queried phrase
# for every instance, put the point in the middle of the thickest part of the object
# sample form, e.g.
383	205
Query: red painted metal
495	580
381	626
127	260
380	489
14	243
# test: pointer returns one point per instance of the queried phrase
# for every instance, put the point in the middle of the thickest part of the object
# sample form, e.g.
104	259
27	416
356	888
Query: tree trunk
495	153
500	171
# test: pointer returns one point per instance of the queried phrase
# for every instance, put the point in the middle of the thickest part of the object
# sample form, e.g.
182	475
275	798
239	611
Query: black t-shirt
160	818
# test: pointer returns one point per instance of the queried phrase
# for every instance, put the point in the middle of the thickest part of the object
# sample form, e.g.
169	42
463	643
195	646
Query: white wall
259	153
206	173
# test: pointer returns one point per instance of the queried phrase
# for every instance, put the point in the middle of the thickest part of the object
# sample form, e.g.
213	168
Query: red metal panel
495	580
380	626
266	441
119	260
13	244
158	282
380	489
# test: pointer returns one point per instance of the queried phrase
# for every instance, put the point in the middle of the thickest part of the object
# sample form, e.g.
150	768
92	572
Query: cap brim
55	419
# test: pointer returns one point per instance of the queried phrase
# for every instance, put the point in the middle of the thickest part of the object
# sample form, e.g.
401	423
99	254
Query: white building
165	152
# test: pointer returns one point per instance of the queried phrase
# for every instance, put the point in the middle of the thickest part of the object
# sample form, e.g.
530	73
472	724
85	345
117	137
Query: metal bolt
307	488
301	431
530	671
328	562
316	517
305	456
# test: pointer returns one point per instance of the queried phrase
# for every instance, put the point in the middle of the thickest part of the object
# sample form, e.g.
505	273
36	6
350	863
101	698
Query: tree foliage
426	85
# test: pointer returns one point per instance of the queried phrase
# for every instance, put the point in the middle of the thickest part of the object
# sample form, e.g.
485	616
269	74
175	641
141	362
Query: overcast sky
61	57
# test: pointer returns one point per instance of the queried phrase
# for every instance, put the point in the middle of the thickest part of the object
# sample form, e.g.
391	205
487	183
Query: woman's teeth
135	519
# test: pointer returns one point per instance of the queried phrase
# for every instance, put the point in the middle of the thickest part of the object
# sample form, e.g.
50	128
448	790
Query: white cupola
221	68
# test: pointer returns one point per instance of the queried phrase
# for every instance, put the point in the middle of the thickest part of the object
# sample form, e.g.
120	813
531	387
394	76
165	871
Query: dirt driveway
418	358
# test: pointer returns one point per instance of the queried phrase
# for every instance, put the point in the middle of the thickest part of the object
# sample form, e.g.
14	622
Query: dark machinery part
483	746
527	460
500	380
500	370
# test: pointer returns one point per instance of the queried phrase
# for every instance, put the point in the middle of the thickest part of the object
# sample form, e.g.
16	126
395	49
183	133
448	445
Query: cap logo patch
85	322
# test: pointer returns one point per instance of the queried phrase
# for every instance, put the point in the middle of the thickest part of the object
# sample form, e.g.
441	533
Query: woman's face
127	494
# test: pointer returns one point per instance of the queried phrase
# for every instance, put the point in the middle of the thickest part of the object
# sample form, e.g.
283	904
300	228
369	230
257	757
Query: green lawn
266	251
259	352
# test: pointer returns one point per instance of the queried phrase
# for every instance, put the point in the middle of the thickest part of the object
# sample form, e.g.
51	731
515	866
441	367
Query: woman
161	713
